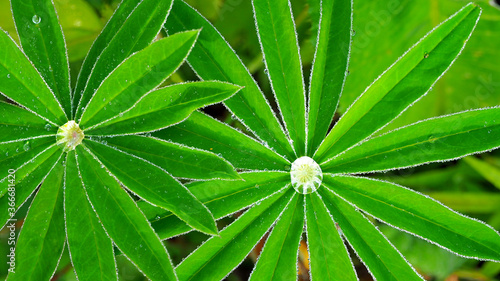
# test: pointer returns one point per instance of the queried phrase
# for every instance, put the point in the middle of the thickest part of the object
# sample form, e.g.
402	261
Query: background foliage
384	30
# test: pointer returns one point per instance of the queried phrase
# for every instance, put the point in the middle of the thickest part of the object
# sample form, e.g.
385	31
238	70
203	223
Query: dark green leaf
20	81
41	241
218	256
402	84
123	221
278	259
213	58
328	256
439	139
133	26
90	247
180	161
43	42
278	38
329	68
155	185
222	198
136	76
204	132
418	214
166	106
377	253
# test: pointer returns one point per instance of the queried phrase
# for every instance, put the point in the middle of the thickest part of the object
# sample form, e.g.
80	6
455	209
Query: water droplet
353	32
36	19
426	55
8	75
27	146
48	127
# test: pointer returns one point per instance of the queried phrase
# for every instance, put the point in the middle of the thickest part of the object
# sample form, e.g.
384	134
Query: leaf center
69	136
306	175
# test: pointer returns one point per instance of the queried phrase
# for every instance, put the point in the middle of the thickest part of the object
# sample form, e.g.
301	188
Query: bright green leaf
42	239
469	202
155	185
166	106
122	220
90	247
488	171
329	68
329	259
43	42
213	58
136	76
402	84
218	256
438	139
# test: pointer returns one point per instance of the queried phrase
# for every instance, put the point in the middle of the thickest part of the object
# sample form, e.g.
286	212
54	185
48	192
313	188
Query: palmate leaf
90	248
43	42
155	185
419	215
122	220
19	124
133	26
42	238
277	35
213	58
219	197
402	84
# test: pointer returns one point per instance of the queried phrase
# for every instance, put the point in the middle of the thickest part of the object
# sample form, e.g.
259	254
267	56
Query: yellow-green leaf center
69	136
306	175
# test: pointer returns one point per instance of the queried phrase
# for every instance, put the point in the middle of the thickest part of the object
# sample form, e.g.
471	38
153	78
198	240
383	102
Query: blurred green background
384	30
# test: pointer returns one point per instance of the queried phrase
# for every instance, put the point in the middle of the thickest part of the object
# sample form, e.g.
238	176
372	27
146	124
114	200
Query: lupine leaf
119	215
213	58
278	38
20	81
438	139
418	214
204	132
402	84
329	68
222	198
166	106
383	260
90	247
133	26
278	259
328	256
17	124
136	76
43	42
488	171
178	160
217	257
155	185
42	238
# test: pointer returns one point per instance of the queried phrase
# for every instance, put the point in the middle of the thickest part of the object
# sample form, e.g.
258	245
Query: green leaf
329	68
469	202
218	256
155	185
204	132
136	76
41	241
381	258
222	198
134	25
329	259
438	139
43	42
419	215
123	221
278	259
180	161
402	84
18	124
213	59
20	82
485	169
26	180
278	38
90	247
164	107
